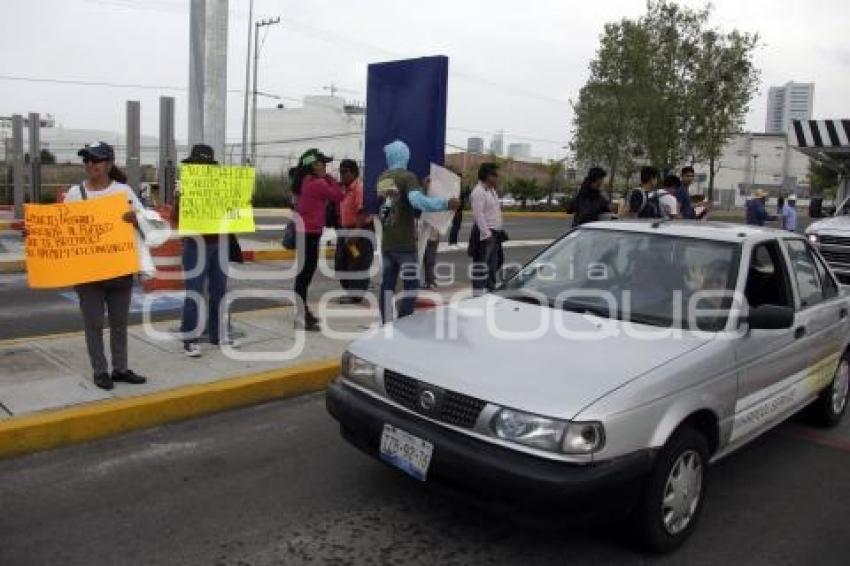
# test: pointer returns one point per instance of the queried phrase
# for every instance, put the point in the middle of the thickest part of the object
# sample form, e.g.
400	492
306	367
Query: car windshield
645	278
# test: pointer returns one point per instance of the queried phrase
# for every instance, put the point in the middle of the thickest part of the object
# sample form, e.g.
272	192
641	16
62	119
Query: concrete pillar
35	157
166	170
134	143
215	76
197	33
18	164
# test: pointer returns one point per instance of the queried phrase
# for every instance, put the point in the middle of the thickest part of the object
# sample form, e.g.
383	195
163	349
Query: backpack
643	206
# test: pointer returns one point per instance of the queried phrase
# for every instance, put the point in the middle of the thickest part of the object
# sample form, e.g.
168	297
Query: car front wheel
832	402
669	508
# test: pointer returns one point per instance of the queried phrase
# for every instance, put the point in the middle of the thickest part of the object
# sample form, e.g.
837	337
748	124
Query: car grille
452	407
834	241
832	255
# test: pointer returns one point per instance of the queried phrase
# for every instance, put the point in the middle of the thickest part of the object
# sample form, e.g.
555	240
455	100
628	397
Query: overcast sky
513	65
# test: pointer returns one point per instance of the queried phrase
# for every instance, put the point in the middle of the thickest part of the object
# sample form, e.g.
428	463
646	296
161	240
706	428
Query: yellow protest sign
216	199
79	242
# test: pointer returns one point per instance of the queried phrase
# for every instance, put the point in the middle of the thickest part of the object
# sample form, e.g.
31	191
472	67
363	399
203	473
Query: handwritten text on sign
216	199
79	242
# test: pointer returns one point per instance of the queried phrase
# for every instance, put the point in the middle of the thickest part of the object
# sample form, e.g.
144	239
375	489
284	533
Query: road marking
810	435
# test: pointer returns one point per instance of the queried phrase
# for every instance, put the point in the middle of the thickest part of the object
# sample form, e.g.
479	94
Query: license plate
406	452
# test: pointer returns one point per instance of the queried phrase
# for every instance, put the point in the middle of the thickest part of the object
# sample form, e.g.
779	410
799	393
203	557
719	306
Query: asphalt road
275	484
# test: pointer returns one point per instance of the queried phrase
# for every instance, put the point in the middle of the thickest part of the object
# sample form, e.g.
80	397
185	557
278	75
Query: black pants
455	230
113	296
308	260
488	259
353	255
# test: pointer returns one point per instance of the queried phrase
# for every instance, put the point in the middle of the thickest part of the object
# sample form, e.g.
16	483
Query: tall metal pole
134	143
215	76
166	172
35	157
18	164
247	85
259	24
197	51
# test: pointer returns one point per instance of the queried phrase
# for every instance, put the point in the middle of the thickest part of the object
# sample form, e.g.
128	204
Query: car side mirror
770	317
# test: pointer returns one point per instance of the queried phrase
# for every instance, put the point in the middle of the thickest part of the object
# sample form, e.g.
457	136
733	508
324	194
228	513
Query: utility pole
247	85
35	157
166	171
257	26
215	76
197	51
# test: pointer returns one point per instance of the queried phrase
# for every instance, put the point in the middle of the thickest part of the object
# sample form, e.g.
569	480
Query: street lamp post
257	26
755	168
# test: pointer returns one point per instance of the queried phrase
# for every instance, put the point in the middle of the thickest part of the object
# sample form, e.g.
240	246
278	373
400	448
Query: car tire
673	498
831	404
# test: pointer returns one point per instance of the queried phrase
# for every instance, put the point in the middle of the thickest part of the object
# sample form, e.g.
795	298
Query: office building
475	145
519	151
793	101
497	144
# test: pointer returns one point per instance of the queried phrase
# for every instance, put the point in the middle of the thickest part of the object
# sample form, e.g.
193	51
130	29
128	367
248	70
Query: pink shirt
314	197
351	205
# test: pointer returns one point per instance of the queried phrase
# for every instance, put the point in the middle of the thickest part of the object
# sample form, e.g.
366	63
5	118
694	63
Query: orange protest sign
79	242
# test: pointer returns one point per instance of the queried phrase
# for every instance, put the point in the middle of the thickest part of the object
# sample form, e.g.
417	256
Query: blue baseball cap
98	150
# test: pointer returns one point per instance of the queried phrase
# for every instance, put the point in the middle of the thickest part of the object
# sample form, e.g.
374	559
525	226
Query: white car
606	375
832	237
508	201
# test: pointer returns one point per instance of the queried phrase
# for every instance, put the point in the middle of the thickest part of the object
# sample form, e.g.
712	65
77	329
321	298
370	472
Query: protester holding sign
114	293
205	255
314	189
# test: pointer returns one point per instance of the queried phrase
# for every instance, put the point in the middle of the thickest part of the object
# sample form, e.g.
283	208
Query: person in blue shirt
789	214
679	189
756	210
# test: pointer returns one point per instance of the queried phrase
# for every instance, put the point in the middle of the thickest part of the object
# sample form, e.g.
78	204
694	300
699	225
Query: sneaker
104	381
129	376
191	349
227	342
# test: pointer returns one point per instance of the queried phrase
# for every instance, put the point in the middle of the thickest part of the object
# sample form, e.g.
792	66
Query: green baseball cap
311	156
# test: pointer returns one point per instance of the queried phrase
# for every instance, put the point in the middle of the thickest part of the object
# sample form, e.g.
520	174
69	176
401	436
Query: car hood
834	224
551	373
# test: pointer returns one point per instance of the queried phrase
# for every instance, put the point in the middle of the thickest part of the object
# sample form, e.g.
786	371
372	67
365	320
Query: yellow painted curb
530	214
13	266
284	255
43	431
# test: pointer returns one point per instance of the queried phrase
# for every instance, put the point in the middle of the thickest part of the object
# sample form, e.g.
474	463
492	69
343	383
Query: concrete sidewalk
48	399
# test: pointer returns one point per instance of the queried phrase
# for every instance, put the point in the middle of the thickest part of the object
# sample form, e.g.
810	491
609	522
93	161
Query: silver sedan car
607	374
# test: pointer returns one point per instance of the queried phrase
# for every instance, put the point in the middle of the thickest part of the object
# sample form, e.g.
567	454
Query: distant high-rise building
519	151
475	145
793	101
497	144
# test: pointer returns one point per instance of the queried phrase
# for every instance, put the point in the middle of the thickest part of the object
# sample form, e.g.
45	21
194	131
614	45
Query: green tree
724	80
526	189
555	178
823	178
47	158
664	89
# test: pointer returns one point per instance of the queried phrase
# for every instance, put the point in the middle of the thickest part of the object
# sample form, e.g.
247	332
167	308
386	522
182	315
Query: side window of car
830	287
806	273
767	279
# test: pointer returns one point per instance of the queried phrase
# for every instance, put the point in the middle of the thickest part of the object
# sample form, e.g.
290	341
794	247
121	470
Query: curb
531	214
44	431
11	224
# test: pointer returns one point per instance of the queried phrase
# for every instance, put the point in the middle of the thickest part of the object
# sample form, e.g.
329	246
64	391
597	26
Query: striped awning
822	134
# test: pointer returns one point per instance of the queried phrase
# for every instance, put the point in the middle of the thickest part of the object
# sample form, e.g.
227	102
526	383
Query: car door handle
799	332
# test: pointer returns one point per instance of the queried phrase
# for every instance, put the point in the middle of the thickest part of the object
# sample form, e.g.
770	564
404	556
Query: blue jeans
395	264
212	272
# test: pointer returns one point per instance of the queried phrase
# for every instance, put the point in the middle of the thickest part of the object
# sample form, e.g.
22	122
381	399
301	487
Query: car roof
718	231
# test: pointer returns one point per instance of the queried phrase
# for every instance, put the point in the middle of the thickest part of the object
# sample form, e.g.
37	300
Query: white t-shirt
74	194
154	230
668	203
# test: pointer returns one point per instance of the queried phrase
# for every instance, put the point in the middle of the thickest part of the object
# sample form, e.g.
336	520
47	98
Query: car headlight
359	371
813	238
583	438
528	429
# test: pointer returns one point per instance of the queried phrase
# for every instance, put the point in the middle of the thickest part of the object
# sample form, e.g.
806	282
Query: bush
272	191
